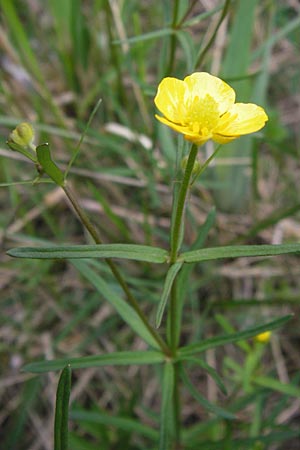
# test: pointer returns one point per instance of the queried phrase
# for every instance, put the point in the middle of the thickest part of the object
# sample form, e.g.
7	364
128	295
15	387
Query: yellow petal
201	84
169	98
242	118
187	132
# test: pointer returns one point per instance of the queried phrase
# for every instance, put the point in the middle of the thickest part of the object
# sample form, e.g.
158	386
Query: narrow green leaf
171	275
62	410
210	370
202	400
238	251
121	423
48	165
127	313
111	359
166	413
146	37
230	338
276	385
124	251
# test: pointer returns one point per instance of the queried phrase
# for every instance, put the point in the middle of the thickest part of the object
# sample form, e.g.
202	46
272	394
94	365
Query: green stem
130	298
173	344
173	309
174	322
177	407
178	221
173	38
211	40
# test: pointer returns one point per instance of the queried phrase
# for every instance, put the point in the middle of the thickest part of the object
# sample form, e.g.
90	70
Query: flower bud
22	135
263	338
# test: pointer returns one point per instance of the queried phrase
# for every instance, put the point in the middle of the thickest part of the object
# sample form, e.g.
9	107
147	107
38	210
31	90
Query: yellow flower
263	338
203	107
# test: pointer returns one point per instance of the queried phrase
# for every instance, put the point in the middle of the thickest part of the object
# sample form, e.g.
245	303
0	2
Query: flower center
202	115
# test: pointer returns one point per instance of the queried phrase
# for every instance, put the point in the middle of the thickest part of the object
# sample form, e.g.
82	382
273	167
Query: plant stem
211	40
173	343
130	298
173	38
174	324
173	334
178	222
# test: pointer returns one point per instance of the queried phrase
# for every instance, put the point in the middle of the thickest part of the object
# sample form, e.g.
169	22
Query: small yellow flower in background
263	338
22	135
203	107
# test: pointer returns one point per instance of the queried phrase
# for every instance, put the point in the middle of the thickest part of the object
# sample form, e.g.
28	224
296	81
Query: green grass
66	64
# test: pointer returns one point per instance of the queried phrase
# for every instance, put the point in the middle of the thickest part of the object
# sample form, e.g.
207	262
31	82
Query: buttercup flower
203	107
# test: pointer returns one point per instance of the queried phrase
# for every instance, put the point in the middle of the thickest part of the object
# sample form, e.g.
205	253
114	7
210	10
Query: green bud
196	167
22	135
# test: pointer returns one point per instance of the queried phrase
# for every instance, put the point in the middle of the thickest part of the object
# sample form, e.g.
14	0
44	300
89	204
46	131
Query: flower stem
178	221
130	298
173	322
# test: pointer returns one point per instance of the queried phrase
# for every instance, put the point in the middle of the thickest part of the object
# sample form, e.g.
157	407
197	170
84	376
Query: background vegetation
58	58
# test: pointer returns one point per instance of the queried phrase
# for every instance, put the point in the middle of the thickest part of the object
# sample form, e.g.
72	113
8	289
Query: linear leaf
171	275
122	423
110	359
124	251
276	385
210	370
146	37
233	337
62	410
127	313
202	400
238	251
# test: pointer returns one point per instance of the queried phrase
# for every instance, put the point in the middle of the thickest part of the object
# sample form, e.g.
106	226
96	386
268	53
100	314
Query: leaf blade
238	251
218	341
127	313
111	359
62	410
202	400
170	277
123	251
